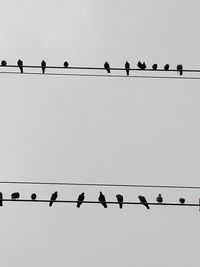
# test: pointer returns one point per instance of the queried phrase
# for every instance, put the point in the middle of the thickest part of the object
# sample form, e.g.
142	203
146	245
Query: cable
101	184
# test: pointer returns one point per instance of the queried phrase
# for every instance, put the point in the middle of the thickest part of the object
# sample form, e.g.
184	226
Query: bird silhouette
1	199
127	67
120	200
81	197
159	198
166	67
142	66
154	66
3	63
15	195
180	69
53	198
43	66
182	200
20	65
66	64
143	201
107	66
33	196
102	200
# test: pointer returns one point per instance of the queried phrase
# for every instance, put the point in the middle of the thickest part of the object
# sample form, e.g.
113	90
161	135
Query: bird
3	63
20	65
102	200
166	67
66	64
1	199
15	195
107	66
180	69
154	66
182	200
143	201
33	196
53	198
43	65
127	67
142	66
81	197
159	198
120	200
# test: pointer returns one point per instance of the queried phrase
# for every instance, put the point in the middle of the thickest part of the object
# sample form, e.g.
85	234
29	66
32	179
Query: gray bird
43	66
15	195
120	200
3	63
180	69
1	199
154	66
66	64
142	66
107	66
182	200
127	67
81	197
20	65
159	198
33	196
53	198
102	200
166	67
143	201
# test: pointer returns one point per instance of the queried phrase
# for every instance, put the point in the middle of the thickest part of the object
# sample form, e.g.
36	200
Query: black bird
1	199
127	67
15	195
166	67
81	197
33	196
143	201
154	66
53	198
182	200
102	200
142	66
120	200
43	65
180	69
3	63
107	67
66	64
159	198
20	65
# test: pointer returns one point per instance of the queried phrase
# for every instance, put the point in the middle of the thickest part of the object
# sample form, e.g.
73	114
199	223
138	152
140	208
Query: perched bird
120	200
15	195
159	198
53	198
154	66
143	201
66	64
102	200
81	197
127	67
182	200
166	67
43	66
107	67
180	69
33	196
20	65
142	66
3	63
1	199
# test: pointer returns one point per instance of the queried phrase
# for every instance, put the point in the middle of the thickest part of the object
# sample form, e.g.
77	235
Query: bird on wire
166	67
15	195
3	63
182	200
1	199
81	197
107	66
142	66
33	196
53	198
180	69
66	64
120	200
102	200
159	198
143	201
20	65
43	66
127	67
154	66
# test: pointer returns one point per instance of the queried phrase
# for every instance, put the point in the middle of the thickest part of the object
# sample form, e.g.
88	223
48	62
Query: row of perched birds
140	65
81	197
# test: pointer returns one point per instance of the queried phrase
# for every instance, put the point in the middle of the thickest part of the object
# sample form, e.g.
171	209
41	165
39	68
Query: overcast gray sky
73	129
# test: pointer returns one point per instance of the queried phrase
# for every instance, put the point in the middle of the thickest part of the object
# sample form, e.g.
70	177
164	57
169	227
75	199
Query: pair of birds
21	65
127	67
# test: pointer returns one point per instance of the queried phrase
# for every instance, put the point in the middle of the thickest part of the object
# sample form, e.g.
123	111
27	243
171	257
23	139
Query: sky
99	130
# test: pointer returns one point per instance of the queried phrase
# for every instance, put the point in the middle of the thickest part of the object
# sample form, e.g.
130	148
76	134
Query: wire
101	184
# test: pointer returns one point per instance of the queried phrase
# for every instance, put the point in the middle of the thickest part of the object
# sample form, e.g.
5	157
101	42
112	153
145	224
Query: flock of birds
81	197
141	66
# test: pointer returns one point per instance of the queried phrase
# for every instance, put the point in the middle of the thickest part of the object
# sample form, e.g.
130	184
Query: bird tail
104	204
43	70
181	72
108	70
147	206
120	205
78	204
127	71
50	203
21	69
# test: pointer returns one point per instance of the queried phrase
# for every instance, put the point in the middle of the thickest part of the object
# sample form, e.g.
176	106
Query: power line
100	184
